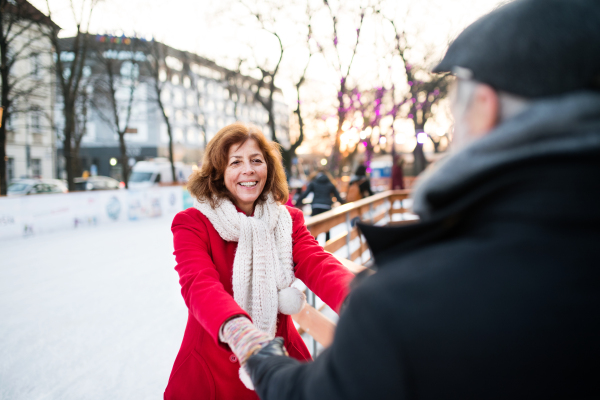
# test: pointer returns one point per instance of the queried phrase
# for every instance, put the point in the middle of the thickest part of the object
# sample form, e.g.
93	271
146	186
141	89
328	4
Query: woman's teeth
248	184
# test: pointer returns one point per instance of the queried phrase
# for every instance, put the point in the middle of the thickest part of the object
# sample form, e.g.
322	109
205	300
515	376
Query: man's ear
484	111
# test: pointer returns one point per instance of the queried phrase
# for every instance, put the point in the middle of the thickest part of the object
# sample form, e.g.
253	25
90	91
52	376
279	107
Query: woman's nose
248	169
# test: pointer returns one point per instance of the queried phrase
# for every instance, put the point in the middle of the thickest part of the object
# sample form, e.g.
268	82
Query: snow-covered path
93	313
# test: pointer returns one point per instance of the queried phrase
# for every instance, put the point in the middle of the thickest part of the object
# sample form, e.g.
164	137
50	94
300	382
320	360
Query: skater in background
359	186
323	191
398	173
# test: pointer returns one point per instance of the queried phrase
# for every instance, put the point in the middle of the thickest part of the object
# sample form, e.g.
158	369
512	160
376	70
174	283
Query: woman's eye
258	160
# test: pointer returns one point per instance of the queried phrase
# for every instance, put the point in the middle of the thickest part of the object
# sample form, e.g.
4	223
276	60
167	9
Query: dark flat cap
532	48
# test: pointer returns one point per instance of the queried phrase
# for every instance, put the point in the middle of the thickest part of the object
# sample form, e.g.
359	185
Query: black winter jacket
323	191
495	295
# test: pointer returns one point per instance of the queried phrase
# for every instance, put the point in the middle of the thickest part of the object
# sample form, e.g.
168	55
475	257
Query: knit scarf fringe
263	263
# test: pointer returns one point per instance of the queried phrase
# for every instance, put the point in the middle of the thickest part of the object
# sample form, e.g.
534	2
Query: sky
202	26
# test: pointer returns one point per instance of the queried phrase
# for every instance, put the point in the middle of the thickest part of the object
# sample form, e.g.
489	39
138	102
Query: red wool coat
205	368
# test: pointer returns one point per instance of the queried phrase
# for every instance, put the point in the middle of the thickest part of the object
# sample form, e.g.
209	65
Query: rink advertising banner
33	214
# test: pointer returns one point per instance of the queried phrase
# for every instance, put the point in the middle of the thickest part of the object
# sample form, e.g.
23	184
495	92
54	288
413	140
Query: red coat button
232	358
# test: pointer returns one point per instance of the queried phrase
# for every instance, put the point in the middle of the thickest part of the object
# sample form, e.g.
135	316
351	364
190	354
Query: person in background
323	193
359	186
495	292
238	250
398	173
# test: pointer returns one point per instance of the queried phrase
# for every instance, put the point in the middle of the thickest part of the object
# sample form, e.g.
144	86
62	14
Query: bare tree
69	63
21	30
198	109
159	75
343	73
265	89
81	121
116	87
425	90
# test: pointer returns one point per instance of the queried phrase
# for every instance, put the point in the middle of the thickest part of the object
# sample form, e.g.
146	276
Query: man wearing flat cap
495	292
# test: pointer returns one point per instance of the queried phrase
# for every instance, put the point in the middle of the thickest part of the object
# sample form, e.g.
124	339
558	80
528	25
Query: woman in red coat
238	250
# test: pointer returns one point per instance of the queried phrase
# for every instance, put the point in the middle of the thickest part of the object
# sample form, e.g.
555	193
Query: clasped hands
248	342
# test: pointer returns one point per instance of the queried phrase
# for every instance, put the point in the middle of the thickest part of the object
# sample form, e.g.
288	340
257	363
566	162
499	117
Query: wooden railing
372	209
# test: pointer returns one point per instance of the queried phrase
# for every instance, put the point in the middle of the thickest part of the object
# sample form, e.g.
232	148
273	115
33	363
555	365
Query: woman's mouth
248	184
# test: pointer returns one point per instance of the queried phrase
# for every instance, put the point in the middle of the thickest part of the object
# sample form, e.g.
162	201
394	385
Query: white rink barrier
43	213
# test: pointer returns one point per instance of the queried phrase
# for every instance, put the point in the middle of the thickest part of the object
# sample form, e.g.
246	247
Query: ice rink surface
90	313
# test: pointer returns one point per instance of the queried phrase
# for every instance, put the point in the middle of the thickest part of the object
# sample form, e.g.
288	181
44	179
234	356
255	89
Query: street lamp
421	137
113	161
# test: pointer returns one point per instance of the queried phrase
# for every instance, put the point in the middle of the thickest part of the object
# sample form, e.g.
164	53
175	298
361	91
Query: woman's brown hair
208	182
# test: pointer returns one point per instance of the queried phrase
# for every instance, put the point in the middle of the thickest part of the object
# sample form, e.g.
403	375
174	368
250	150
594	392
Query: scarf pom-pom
291	300
245	378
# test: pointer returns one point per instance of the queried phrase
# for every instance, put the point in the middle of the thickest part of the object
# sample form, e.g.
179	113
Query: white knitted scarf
263	264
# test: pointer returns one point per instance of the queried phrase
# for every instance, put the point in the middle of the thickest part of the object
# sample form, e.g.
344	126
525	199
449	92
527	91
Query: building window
162	75
35	121
36	167
165	96
10	168
178	98
10	122
191	99
36	68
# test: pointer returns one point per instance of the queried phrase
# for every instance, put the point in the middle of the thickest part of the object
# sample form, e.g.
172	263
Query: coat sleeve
363	362
319	270
337	194
309	189
202	290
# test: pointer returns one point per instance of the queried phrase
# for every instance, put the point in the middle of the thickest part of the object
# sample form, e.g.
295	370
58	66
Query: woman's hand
243	337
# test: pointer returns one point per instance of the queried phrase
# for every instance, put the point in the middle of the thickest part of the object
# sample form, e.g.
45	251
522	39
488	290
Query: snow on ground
93	313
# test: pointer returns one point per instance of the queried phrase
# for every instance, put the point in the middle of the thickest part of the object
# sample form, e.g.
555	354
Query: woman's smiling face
246	174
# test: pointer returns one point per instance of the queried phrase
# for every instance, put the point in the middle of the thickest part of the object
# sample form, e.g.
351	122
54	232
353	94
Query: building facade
30	142
198	97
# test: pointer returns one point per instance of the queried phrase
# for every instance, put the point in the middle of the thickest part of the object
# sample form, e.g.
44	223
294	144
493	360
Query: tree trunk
69	114
3	175
420	162
171	160
4	75
3	159
124	160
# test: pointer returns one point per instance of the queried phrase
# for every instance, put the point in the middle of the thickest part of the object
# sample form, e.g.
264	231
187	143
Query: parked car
145	174
96	183
22	187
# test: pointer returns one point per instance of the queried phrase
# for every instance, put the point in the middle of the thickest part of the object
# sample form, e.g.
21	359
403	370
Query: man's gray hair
510	105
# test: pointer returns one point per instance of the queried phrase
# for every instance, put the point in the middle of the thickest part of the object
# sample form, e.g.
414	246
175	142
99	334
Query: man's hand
274	348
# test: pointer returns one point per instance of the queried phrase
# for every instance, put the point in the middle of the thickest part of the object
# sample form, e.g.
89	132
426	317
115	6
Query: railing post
349	230
402	207
311	299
